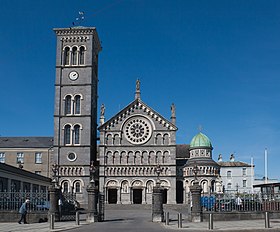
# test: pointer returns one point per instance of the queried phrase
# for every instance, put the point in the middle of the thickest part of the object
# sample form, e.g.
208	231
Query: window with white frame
20	157
244	171
76	134
2	157
77	187
67	135
38	157
77	104
67	56
65	187
68	103
74	55
229	186
228	174
244	183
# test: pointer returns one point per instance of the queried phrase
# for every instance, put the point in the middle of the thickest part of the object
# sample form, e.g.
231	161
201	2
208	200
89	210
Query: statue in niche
150	187
125	188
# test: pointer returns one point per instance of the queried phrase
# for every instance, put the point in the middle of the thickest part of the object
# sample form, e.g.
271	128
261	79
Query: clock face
137	130
73	75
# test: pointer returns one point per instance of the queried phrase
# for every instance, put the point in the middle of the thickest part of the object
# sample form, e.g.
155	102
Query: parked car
43	206
66	206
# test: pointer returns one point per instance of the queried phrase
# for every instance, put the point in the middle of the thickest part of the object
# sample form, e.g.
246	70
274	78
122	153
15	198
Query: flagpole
265	166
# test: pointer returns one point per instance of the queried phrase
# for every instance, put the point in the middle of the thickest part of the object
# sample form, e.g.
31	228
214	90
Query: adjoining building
13	179
30	153
237	176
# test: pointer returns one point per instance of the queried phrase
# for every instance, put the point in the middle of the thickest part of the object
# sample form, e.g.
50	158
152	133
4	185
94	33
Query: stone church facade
135	144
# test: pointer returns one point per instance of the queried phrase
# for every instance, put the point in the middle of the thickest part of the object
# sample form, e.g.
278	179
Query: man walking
23	212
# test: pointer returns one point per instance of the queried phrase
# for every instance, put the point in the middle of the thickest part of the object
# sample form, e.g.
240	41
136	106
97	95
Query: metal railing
13	200
239	202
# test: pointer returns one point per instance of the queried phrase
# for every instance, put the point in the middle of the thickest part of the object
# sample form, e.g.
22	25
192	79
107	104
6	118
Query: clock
73	75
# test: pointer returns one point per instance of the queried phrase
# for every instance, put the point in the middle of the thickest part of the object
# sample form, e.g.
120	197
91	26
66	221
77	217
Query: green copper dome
200	140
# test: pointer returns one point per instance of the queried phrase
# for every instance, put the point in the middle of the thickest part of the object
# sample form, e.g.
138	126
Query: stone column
92	203
54	196
157	206
196	211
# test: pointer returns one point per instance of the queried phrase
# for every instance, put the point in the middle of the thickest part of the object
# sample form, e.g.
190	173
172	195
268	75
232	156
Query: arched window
67	134
68	104
77	187
77	102
65	187
66	56
229	186
228	174
82	55
76	134
74	56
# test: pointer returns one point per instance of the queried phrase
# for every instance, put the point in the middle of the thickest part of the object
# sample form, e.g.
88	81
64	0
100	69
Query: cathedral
135	148
138	147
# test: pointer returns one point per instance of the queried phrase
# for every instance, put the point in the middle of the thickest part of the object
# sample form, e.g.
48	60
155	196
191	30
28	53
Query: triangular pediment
129	110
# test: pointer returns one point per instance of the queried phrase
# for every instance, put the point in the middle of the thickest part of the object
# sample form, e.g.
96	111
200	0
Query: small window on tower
82	55
68	102
77	102
74	56
76	134
67	134
66	60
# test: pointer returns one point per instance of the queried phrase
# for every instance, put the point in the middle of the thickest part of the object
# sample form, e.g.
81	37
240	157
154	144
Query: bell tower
75	113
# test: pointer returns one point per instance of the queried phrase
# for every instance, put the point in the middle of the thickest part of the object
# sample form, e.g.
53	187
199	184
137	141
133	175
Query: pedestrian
238	202
23	211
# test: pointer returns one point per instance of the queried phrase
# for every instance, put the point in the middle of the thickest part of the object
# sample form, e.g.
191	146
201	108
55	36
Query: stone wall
235	216
32	217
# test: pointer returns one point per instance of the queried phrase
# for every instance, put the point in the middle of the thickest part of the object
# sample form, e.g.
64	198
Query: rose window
137	130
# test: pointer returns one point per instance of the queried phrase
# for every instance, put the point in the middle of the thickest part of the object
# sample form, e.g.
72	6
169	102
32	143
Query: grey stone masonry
75	113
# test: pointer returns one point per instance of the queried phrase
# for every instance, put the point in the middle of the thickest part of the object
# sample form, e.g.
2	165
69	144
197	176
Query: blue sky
218	61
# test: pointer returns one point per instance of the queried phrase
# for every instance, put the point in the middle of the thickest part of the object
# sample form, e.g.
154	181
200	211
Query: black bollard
266	222
167	218
210	227
77	218
179	220
51	221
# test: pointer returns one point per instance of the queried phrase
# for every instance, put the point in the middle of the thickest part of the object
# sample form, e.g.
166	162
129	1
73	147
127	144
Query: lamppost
195	189
54	191
195	171
92	199
48	166
158	171
157	198
92	170
55	177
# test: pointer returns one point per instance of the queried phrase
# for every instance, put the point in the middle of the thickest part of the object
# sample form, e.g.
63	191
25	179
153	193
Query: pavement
135	218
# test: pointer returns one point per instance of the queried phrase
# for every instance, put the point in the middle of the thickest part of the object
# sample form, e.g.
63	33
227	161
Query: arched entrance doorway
112	196
164	196
137	196
179	192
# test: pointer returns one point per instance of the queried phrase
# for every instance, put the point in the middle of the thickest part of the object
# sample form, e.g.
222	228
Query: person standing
23	211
